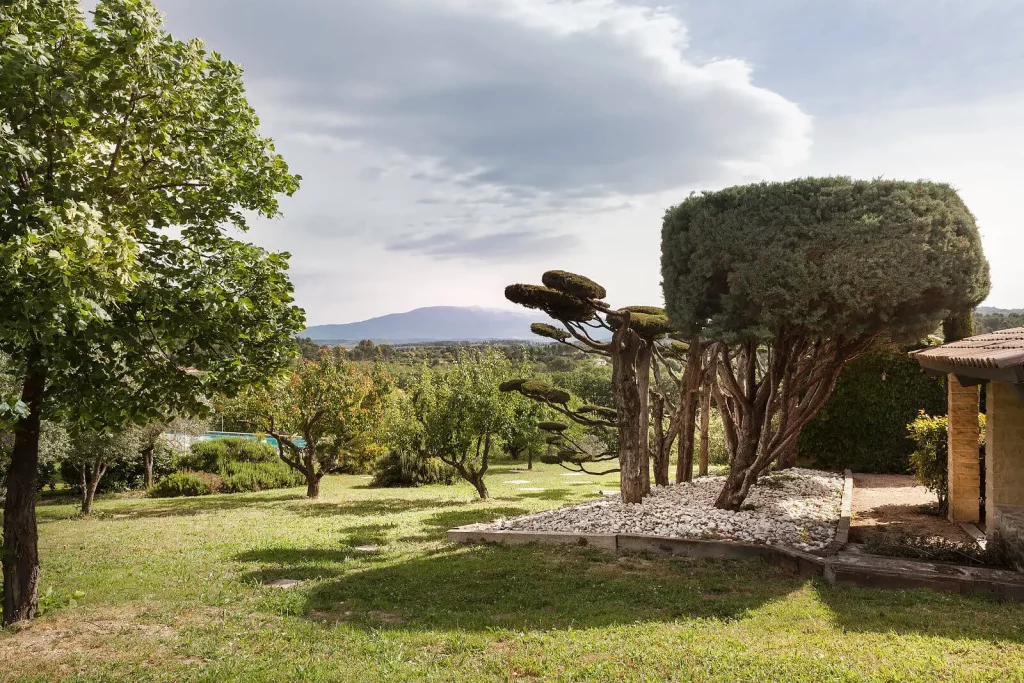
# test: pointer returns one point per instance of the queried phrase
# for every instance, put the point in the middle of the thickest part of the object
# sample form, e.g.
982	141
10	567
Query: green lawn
172	590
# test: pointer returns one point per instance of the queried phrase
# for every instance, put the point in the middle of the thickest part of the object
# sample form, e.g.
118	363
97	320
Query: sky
451	147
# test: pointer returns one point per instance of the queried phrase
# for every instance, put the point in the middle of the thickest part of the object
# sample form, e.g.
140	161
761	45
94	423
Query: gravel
795	507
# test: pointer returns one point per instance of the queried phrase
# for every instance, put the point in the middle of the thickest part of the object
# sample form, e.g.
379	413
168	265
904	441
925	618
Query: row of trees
770	290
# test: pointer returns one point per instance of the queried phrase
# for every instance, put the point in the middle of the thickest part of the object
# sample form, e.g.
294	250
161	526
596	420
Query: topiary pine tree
577	303
792	280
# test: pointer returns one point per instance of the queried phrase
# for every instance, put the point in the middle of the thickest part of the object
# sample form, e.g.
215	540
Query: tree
125	156
462	412
520	433
150	436
318	413
792	280
577	303
308	348
93	452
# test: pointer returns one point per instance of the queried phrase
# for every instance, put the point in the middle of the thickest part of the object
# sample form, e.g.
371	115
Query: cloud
510	245
582	96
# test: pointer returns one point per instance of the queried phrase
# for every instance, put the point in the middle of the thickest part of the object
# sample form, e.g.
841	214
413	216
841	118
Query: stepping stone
571	474
610	493
531	489
518	481
367	548
283	583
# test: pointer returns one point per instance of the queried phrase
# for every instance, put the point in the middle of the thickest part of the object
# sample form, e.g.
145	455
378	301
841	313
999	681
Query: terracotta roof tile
1002	349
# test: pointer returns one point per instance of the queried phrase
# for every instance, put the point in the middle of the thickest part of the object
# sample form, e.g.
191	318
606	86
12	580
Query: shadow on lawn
141	508
923	613
376	506
528	587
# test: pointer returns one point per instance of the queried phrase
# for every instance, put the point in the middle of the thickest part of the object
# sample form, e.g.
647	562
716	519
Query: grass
173	590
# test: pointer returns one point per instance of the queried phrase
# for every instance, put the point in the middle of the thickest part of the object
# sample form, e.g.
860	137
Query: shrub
212	455
259	476
863	426
398	468
930	459
187	483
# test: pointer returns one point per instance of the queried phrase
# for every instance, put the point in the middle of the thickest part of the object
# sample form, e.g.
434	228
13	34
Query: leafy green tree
93	452
520	433
308	348
150	438
125	157
318	414
462	413
792	280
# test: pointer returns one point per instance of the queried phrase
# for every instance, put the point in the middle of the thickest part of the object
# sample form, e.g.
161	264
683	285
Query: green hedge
259	476
406	469
212	455
187	483
863	426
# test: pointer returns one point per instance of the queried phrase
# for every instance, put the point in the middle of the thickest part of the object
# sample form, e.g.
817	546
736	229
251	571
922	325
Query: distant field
173	590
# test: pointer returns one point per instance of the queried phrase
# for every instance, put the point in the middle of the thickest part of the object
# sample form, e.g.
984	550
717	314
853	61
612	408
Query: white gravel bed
796	507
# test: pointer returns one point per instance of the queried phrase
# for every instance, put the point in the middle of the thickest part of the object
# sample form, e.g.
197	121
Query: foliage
335	406
126	156
399	468
213	455
187	483
863	425
993	322
242	476
821	256
308	348
792	280
462	412
930	459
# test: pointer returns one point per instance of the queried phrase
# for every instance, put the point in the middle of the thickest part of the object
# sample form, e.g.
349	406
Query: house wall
1004	464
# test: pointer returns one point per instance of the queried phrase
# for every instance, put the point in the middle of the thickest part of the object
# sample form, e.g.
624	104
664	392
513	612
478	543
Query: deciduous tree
125	156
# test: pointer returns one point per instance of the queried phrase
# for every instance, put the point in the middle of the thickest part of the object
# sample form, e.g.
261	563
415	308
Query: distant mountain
435	323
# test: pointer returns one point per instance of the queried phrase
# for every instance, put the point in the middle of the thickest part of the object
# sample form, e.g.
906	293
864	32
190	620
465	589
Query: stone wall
1004	470
964	466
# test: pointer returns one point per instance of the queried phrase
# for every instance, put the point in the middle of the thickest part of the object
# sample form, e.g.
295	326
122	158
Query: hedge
863	426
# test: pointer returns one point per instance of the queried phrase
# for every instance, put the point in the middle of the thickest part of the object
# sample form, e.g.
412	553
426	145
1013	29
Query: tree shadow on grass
547	494
190	506
530	587
441	522
377	506
311	563
923	612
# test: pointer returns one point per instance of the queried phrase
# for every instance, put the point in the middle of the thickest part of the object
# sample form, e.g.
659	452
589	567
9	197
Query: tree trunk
147	455
21	537
688	399
630	384
312	486
529	459
741	475
705	427
481	488
661	451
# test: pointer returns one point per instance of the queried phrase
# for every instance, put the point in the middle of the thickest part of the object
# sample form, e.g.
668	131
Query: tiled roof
1002	349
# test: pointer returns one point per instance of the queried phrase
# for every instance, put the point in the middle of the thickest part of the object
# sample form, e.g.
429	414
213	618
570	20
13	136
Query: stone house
995	359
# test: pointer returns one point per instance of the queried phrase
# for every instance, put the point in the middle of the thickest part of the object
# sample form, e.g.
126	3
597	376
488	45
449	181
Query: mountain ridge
431	323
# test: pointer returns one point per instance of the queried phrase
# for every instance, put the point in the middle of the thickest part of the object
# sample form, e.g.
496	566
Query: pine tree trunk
630	386
661	450
529	460
741	477
688	399
21	537
705	433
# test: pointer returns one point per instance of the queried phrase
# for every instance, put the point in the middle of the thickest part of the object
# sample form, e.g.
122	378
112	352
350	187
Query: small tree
462	412
318	413
577	303
792	280
93	452
150	439
520	433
